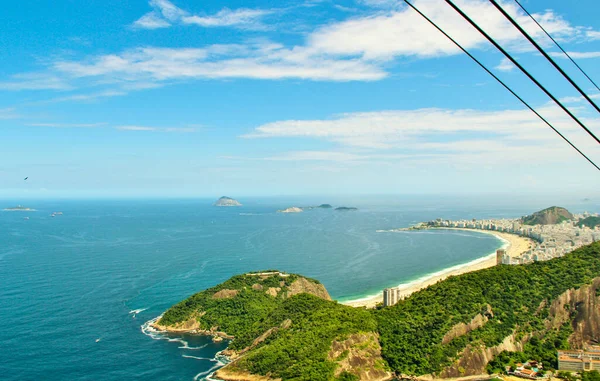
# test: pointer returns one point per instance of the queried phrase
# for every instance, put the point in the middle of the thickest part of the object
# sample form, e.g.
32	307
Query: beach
514	245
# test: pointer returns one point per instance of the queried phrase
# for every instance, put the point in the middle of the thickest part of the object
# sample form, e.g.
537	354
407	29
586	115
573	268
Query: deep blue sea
69	280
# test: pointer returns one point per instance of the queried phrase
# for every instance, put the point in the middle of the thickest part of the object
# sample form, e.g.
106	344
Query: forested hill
513	304
455	327
549	216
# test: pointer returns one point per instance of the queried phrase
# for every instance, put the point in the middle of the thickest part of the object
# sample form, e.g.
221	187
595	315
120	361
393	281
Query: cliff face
360	354
582	307
579	306
549	216
301	285
473	360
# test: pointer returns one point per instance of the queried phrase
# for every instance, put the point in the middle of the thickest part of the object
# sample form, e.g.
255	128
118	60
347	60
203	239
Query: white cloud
505	65
577	55
405	33
242	18
156	129
358	49
262	61
166	13
151	20
435	134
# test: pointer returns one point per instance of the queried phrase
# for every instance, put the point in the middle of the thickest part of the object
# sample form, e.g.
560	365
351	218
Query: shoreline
513	244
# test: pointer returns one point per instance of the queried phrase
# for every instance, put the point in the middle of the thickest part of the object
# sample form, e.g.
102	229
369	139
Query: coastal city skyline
169	98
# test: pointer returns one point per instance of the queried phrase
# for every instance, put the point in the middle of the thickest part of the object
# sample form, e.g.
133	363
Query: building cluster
531	369
392	296
549	241
580	360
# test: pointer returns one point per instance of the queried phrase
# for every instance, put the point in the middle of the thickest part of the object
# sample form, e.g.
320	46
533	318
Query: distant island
227	201
325	206
293	209
19	208
345	208
466	325
549	216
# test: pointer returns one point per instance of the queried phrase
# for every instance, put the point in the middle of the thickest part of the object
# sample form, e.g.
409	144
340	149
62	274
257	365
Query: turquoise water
69	280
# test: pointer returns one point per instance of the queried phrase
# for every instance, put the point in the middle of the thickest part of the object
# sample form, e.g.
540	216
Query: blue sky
180	98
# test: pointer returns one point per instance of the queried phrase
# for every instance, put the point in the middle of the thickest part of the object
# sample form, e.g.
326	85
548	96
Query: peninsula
465	325
227	201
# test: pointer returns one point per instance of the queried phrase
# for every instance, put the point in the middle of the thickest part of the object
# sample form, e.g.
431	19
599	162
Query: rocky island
462	326
19	208
227	201
345	208
293	209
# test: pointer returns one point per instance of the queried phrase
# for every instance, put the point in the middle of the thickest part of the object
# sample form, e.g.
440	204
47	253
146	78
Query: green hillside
549	216
590	222
293	338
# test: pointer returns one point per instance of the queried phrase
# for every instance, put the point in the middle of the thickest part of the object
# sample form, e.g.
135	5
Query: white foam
186	346
200	358
209	373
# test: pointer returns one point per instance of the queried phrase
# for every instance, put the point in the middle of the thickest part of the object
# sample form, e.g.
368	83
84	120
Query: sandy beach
514	246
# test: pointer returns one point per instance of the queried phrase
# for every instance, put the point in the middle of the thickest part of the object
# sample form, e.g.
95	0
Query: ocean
76	289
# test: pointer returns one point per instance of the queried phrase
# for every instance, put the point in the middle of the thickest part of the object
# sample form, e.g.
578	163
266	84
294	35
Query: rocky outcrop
548	216
227	201
462	329
360	354
228	374
293	209
579	306
582	307
474	359
301	285
225	294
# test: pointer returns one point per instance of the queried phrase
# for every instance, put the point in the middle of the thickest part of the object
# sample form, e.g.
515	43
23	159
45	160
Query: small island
227	201
293	209
346	208
325	206
19	208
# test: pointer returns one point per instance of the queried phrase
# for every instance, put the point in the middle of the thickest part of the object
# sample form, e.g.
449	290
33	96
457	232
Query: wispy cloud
361	48
8	113
157	129
35	81
505	65
165	14
507	135
577	55
151	20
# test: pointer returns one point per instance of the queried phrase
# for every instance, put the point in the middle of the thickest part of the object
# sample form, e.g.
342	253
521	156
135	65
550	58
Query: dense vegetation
303	327
239	316
590	222
300	351
515	294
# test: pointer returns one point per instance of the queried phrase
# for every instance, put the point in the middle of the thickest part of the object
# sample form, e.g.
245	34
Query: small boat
25	218
97	340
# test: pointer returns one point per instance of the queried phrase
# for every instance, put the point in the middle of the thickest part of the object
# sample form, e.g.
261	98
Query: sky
257	98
